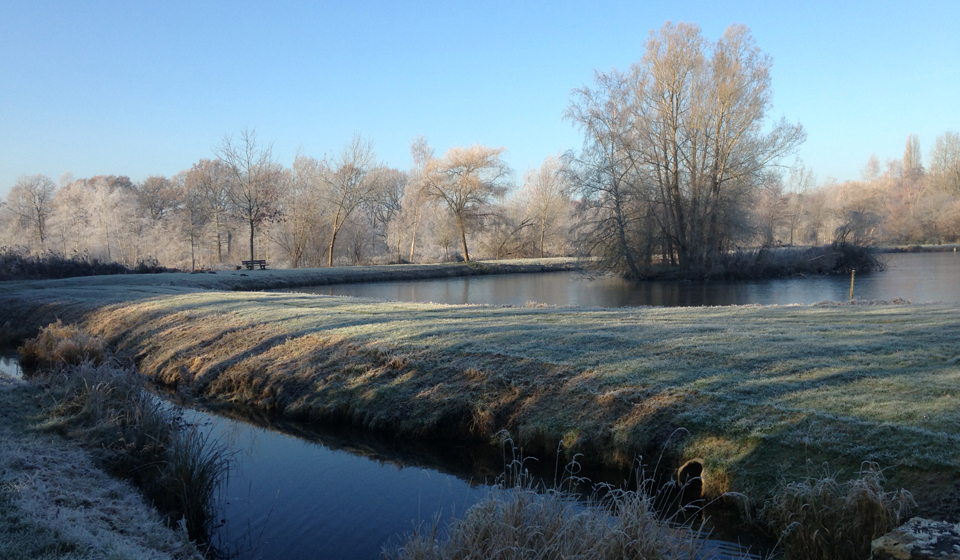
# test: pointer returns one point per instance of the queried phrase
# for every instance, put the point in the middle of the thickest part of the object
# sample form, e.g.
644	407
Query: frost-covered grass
54	503
764	392
523	521
823	519
289	278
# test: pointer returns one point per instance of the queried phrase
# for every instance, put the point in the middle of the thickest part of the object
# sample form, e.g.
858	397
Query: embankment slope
755	393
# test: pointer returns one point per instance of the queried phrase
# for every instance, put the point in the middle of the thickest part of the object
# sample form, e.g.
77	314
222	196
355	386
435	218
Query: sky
149	88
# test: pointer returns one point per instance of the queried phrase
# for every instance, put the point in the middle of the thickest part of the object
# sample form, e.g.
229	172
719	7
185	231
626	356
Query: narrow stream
290	498
297	491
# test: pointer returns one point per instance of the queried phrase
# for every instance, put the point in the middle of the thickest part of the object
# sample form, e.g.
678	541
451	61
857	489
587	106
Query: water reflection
918	277
291	498
10	366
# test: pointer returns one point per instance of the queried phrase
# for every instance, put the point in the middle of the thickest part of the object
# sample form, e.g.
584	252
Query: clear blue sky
140	88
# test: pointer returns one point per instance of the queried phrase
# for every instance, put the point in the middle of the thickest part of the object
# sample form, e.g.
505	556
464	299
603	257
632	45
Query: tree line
341	210
680	167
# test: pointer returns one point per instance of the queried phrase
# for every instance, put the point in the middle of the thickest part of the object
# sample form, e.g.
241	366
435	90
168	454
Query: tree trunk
333	240
252	229
216	225
463	238
543	227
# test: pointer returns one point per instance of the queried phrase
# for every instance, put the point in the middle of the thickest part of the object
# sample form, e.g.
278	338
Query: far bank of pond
916	277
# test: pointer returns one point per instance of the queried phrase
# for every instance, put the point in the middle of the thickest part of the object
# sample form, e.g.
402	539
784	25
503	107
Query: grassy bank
54	503
762	393
780	262
292	278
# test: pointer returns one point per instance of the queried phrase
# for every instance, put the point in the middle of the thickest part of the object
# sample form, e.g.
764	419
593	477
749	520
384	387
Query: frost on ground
55	504
754	393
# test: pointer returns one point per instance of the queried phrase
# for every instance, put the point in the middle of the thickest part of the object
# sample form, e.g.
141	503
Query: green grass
763	392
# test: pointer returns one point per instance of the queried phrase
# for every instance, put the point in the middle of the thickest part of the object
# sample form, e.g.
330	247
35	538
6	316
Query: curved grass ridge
762	391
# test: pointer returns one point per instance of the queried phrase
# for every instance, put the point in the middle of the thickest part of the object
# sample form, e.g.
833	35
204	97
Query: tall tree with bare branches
31	199
467	180
255	178
349	184
679	145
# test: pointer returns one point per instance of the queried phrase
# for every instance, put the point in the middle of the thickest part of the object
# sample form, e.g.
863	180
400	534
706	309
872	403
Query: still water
317	497
295	492
918	277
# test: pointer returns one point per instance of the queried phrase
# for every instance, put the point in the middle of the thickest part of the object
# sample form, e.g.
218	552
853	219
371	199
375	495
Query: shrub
823	519
19	264
59	345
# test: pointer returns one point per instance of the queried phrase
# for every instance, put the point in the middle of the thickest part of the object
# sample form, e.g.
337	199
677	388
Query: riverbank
945	248
55	503
753	394
253	280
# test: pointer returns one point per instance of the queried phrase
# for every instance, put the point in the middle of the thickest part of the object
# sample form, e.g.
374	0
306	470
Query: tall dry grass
824	519
19	264
133	434
59	345
520	519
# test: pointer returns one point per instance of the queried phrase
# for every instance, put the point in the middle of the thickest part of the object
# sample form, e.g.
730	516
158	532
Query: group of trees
680	166
900	203
347	209
675	148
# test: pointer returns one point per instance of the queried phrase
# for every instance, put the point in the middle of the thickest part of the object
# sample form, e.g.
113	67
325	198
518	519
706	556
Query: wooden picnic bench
251	264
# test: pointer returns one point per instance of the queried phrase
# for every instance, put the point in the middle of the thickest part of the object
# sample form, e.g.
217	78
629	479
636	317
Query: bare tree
255	175
945	162
386	201
73	215
348	185
546	195
415	197
304	213
912	156
31	199
194	214
801	180
466	180
210	182
680	144
157	196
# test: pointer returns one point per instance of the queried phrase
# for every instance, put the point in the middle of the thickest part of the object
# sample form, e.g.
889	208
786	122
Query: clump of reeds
194	468
133	434
60	345
824	519
522	520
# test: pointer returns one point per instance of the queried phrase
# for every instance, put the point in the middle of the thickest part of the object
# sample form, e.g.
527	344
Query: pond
917	277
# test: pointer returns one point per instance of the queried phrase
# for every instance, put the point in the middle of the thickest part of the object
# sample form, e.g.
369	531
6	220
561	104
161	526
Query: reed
133	434
520	519
824	519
